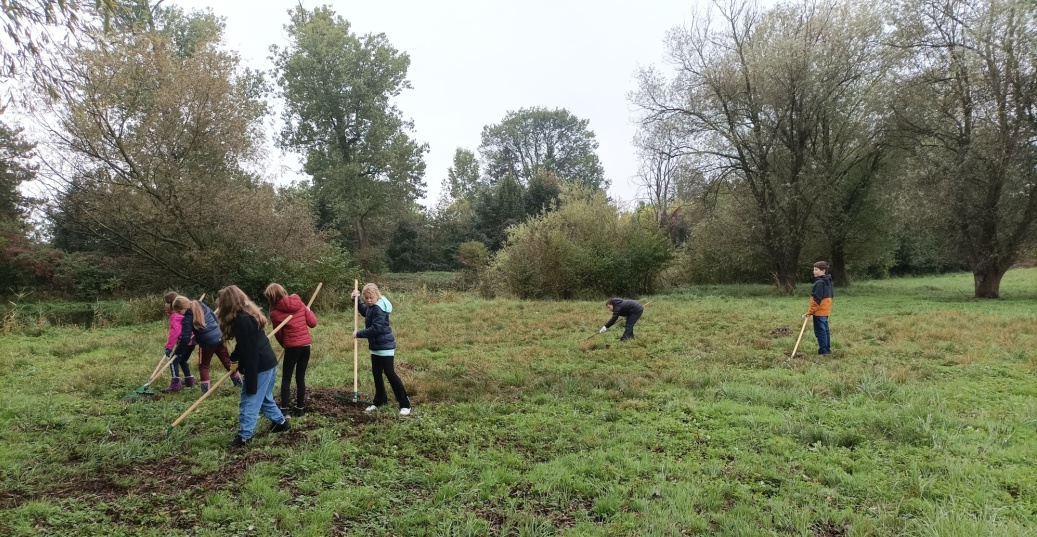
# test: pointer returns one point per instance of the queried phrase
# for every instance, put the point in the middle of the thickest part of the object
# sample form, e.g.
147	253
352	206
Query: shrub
585	246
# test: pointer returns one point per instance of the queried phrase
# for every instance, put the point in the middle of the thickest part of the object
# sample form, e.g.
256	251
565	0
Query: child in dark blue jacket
376	309
631	309
199	321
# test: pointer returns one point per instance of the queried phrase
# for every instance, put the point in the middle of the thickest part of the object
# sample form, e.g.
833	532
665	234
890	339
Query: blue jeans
263	400
824	336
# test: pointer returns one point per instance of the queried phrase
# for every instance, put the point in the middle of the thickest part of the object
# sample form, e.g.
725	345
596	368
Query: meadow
923	422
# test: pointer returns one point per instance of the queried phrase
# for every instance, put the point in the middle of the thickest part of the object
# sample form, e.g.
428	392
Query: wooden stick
158	367
801	330
356	319
233	369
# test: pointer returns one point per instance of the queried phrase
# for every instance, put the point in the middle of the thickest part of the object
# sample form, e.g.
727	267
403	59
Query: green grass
923	422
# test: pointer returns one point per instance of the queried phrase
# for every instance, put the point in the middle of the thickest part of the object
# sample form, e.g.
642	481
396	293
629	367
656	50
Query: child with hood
631	309
295	340
376	309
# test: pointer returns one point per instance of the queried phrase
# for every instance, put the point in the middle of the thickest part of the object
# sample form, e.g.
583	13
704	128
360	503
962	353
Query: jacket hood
384	304
615	301
289	304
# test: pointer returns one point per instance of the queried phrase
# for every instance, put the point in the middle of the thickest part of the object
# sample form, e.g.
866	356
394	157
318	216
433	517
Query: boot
298	411
236	379
174	385
189	381
205	386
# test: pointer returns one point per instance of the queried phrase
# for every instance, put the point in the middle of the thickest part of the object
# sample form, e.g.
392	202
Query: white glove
603	329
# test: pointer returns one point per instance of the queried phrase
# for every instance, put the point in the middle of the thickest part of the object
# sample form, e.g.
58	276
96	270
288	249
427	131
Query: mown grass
923	422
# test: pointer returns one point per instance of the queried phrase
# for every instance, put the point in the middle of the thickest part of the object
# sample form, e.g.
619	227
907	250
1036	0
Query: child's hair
231	301
823	265
370	288
170	297
274	293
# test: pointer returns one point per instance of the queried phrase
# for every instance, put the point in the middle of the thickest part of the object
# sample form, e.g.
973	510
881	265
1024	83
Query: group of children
193	324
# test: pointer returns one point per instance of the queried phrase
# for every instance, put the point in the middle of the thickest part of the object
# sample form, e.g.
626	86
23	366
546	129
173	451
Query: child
294	339
175	326
200	322
376	309
821	307
241	320
631	309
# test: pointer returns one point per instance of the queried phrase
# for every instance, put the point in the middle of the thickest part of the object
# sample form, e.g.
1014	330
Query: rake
163	362
212	390
356	320
801	330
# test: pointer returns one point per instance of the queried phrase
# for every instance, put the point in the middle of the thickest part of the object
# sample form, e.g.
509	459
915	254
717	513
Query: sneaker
405	412
298	411
238	442
370	408
281	427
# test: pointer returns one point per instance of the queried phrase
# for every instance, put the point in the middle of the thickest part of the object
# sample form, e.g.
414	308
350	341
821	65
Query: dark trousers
384	364
824	336
628	332
182	363
295	358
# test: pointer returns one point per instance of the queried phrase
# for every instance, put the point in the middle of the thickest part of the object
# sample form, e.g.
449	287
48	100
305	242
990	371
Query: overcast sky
473	61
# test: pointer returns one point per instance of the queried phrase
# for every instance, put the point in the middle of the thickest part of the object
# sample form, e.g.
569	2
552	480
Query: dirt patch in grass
781	331
172	476
824	528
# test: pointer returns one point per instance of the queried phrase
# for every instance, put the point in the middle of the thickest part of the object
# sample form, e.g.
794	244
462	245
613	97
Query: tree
664	162
498	207
750	96
338	89
463	176
970	100
154	136
15	169
536	140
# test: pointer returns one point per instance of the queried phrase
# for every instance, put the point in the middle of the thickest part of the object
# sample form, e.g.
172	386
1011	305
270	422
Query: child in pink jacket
181	363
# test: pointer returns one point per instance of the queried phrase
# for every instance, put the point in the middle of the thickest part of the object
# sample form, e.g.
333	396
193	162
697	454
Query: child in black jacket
631	309
243	321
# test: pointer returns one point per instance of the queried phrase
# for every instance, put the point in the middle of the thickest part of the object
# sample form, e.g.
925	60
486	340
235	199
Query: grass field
922	422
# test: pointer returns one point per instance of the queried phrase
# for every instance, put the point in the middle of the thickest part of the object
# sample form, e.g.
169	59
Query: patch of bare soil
172	476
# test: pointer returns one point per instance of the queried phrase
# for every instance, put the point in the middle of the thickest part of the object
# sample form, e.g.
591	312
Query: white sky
472	61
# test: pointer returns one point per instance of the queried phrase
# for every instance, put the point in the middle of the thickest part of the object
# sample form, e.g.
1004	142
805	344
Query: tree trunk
988	281
838	266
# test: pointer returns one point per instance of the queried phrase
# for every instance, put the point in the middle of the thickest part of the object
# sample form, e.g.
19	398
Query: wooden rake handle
801	330
233	368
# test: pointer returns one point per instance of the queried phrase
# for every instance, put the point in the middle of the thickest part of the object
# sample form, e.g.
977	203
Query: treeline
885	137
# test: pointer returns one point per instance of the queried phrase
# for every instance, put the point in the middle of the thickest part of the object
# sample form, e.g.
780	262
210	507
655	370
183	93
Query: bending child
241	320
200	322
181	362
631	309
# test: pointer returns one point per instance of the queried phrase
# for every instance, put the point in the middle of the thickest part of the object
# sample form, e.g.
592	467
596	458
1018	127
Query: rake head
354	399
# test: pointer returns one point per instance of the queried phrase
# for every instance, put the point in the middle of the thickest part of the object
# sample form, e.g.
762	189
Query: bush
585	246
332	267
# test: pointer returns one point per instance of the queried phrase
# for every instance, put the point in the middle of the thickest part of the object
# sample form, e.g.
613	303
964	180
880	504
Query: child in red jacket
295	340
